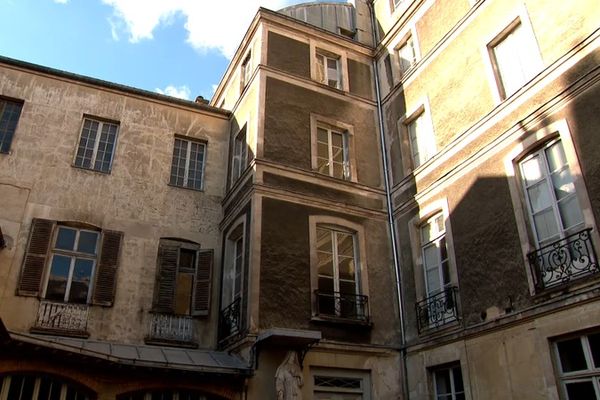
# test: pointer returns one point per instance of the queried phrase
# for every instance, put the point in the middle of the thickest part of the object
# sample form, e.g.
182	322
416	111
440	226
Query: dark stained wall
287	128
359	77
288	55
285	299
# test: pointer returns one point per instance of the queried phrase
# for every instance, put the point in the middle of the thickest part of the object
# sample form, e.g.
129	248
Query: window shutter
203	282
35	257
104	288
164	296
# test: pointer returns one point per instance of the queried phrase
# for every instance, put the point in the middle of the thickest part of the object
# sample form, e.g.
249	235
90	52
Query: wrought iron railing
65	317
230	319
342	305
565	260
173	328
437	310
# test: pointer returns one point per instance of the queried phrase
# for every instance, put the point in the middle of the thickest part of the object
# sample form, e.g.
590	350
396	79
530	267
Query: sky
175	47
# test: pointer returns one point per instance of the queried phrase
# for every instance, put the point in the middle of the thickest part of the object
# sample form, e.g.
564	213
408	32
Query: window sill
333	320
91	170
185	188
60	332
170	343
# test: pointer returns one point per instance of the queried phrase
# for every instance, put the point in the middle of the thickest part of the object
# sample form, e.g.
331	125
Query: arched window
40	387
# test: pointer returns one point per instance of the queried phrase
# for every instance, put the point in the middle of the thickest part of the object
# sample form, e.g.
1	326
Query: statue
288	378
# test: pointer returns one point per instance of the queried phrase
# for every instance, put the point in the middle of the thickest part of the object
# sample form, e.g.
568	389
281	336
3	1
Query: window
328	70
9	116
187	168
341	385
549	189
234	264
245	72
72	265
435	255
421	139
332	152
515	58
240	154
78	259
448	383
96	145
183	278
578	365
32	387
407	57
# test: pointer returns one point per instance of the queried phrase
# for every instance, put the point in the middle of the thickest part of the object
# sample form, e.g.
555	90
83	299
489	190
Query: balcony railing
62	317
437	310
353	307
230	319
564	260
171	328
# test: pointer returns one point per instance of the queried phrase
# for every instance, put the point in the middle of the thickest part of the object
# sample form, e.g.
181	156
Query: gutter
388	197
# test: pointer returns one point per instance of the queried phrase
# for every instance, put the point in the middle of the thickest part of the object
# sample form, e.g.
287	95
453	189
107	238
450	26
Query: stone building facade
390	199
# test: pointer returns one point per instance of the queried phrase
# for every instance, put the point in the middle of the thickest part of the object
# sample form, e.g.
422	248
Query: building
383	200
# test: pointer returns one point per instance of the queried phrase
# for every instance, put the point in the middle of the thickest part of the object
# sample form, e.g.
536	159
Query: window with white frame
338	274
240	154
407	56
434	254
187	167
72	265
233	268
448	383
578	365
10	112
96	145
341	385
333	157
421	138
39	387
245	72
328	69
552	202
515	58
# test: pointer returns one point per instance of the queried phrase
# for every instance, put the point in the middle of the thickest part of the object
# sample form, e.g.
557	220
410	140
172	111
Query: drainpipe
388	196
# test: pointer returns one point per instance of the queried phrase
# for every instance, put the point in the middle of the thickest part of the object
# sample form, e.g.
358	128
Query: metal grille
437	310
62	317
171	327
564	260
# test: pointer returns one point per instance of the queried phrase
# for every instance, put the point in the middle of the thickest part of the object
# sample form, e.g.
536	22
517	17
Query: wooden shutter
106	275
35	257
164	291
203	282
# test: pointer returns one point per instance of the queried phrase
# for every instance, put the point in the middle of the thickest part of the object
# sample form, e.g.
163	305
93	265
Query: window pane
57	281
595	347
563	183
324	240
80	284
570	212
187	260
539	196
556	157
532	170
431	256
320	68
87	242
545	225
325	264
458	383
348	287
345	244
571	355
347	269
9	116
581	391
442	382
65	239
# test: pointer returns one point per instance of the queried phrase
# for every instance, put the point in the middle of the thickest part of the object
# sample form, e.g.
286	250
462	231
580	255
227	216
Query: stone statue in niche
288	378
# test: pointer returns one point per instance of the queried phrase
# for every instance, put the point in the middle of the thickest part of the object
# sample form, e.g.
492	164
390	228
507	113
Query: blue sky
178	47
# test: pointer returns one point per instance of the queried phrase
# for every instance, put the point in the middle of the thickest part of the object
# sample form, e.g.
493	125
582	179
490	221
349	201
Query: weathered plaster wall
37	180
286	295
289	55
287	128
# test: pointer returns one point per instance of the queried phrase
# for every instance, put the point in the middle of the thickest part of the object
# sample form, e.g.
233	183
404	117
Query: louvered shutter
203	282
164	296
106	276
35	257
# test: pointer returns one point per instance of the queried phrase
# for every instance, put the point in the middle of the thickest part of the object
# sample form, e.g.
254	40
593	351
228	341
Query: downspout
390	213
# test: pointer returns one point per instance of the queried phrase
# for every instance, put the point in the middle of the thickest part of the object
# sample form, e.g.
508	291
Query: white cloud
61	1
210	24
181	92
